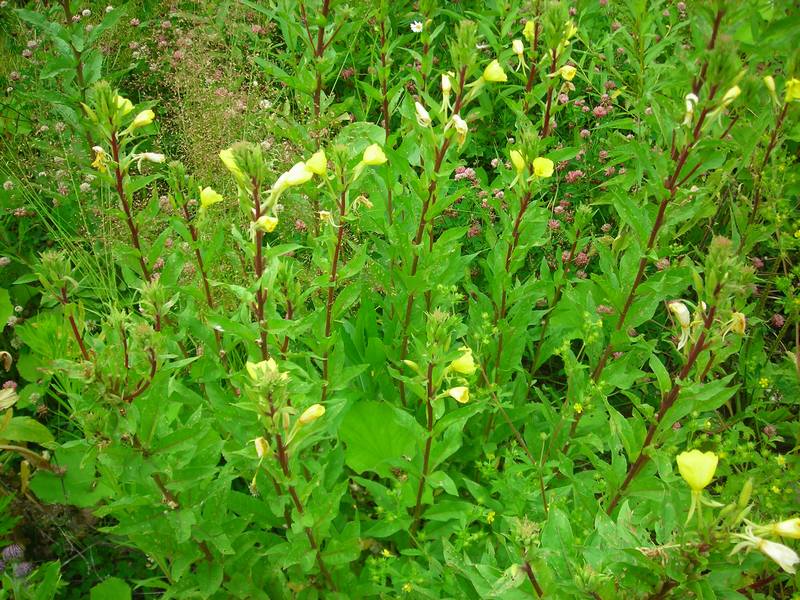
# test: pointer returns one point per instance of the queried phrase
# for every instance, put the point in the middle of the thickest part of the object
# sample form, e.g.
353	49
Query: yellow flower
423	118
684	320
697	468
311	414
208	197
100	159
464	364
543	167
570	30
318	163
143	118
265	371
267	223
578	407
460	394
262	447
568	72
518	47
769	81
298	174
518	161
792	90
124	106
226	156
373	155
731	95
387	553
407	587
446	84
529	32
490	517
494	73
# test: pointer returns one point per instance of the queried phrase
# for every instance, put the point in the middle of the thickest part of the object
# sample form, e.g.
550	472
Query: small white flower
86	12
423	118
416	26
109	8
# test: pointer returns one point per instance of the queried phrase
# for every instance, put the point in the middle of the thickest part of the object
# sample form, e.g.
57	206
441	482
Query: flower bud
769	81
262	447
311	414
745	494
731	95
423	118
461	128
518	161
446	84
124	106
518	47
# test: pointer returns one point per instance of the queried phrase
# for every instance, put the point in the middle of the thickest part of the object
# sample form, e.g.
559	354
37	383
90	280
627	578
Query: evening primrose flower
461	128
792	90
373	155
567	72
460	394
769	81
494	73
731	95
697	468
543	167
318	163
783	555
517	160
311	414
143	118
266	223
529	31
447	85
464	364
738	323
789	528
519	49
153	157
262	447
691	100
208	197
423	118
100	159
265	372
684	320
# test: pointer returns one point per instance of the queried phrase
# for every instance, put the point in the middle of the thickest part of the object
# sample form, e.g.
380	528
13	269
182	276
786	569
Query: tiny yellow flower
124	106
262	447
792	90
407	588
494	73
266	223
311	414
697	468
464	364
373	155
490	517
518	161
318	163
763	382
781	460
387	553
578	407
143	118
775	489
543	167
460	394
208	197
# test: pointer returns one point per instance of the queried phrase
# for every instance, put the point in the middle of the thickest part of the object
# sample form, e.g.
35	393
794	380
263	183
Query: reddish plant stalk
546	125
427	455
526	566
331	289
64	300
666	403
258	265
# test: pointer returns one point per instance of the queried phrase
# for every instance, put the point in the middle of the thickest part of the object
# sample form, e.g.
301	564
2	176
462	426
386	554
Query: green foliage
314	299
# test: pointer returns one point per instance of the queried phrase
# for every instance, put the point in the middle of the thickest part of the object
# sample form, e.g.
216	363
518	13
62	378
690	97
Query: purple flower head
13	552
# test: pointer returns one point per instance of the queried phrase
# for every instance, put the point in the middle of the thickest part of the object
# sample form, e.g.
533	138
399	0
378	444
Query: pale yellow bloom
731	95
464	364
529	32
311	414
769	81
446	84
143	118
543	167
517	160
792	90
568	72
460	394
697	468
226	156
318	163
100	159
518	47
738	323
684	320
267	223
789	528
461	128
298	174
570	30
783	555
373	155
494	73
208	197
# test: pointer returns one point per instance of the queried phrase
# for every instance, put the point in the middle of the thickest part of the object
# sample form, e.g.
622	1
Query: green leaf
112	588
377	435
26	429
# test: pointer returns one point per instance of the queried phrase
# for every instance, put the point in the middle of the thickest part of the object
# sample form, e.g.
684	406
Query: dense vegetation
470	299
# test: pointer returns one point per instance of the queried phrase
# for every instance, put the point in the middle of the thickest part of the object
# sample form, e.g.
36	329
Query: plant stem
428	442
546	125
258	265
532	578
64	300
332	287
385	111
